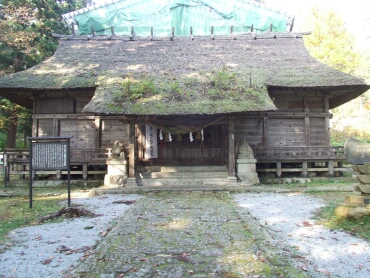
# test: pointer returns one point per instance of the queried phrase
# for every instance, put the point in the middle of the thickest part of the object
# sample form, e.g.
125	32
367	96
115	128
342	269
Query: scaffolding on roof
185	17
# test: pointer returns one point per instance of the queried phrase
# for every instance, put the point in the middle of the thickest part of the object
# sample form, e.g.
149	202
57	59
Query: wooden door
182	151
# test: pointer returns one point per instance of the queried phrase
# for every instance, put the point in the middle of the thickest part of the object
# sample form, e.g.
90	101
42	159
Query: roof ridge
247	35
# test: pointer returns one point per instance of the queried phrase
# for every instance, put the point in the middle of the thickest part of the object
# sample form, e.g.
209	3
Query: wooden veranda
90	163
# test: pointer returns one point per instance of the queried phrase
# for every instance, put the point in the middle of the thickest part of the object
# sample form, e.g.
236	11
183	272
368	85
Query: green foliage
330	42
339	138
26	40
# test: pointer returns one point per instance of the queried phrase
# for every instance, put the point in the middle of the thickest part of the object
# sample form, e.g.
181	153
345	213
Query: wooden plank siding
83	132
44	127
113	130
55	105
285	135
317	134
286	132
251	129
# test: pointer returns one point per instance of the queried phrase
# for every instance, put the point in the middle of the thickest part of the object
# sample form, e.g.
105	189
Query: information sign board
49	156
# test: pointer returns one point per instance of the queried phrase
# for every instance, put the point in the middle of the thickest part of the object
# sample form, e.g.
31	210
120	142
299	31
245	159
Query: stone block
353	200
349	212
363	188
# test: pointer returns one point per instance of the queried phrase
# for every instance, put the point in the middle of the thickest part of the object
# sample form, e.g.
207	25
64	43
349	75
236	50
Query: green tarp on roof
163	15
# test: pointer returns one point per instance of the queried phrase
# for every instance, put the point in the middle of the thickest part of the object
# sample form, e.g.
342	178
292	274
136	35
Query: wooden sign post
50	153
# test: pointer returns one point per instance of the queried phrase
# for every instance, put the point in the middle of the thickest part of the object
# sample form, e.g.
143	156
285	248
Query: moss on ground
182	235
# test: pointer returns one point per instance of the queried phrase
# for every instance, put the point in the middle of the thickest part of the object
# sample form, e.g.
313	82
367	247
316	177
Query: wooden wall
84	132
301	119
58	113
113	130
62	102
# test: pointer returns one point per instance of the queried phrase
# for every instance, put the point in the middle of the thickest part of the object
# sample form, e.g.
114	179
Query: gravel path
50	249
185	235
323	253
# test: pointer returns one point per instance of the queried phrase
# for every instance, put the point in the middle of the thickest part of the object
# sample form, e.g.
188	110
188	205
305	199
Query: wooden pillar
59	174
331	168
35	129
132	150
55	127
98	132
305	168
306	122
231	156
327	120
84	171
278	169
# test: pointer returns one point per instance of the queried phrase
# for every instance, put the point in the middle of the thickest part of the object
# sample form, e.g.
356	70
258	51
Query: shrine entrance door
183	150
205	146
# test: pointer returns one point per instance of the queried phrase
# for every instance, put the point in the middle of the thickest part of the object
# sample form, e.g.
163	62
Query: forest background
25	40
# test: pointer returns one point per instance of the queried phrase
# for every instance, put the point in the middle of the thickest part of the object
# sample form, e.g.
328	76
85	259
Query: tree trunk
12	131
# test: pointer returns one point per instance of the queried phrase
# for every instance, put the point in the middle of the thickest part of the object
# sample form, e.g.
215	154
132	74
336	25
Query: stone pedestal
117	173
246	171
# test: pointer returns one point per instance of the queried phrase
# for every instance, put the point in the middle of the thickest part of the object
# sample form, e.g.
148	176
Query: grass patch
359	228
15	211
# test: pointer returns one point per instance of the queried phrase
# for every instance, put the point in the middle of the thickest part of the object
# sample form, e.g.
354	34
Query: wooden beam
76	116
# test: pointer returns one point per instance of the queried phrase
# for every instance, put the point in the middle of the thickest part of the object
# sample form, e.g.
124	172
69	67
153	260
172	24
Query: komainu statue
118	150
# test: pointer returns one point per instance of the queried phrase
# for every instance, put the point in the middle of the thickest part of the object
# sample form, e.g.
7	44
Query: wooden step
184	176
156	175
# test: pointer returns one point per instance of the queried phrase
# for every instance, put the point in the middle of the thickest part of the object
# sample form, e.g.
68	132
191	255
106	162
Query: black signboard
50	153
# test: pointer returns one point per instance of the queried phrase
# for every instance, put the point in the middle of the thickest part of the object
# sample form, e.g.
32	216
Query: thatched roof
182	76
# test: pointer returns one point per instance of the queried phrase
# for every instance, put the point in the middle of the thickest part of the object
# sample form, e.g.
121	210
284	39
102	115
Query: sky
355	13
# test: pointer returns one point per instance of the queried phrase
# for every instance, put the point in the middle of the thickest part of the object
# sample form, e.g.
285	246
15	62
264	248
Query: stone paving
186	234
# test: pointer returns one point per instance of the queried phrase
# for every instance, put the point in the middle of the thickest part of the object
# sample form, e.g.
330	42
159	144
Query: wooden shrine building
187	101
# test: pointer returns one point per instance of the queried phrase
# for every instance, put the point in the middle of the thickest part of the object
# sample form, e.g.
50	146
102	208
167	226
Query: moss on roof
182	76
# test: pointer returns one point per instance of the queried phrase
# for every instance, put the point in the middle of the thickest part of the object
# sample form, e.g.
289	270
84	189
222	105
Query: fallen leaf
307	224
47	261
144	259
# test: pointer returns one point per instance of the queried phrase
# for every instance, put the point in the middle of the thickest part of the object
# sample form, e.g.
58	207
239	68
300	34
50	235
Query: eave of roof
184	76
